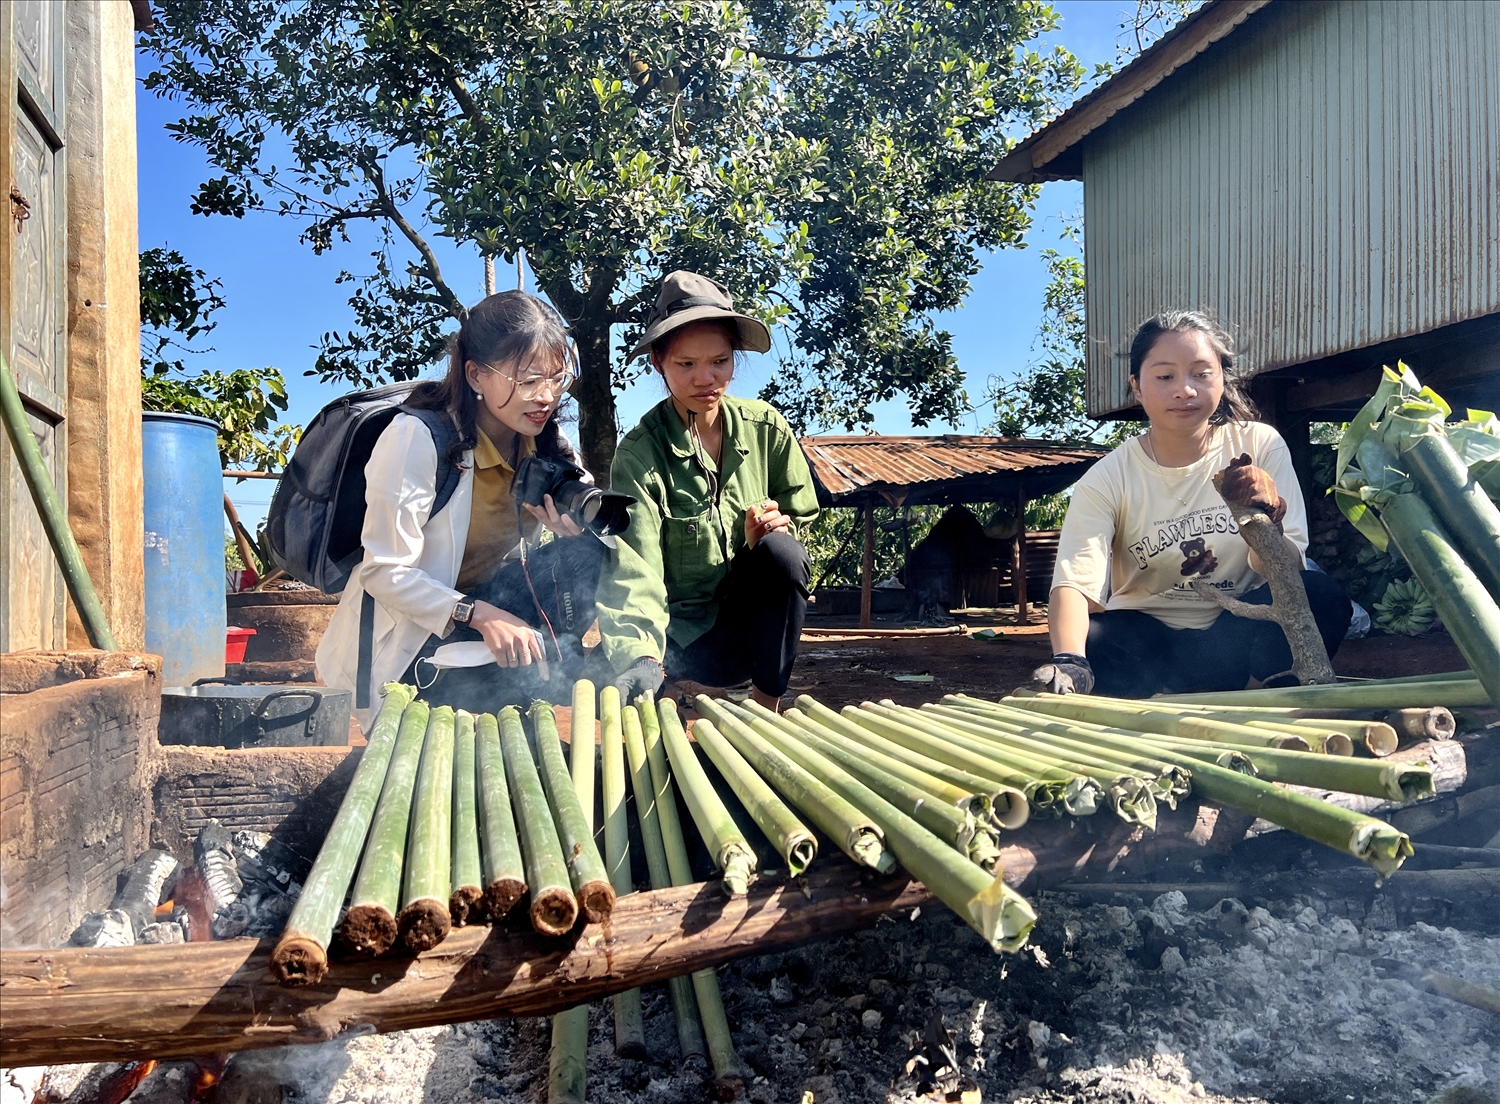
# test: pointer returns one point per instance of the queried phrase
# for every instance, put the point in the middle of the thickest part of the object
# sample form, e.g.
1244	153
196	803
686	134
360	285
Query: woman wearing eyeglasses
709	582
459	573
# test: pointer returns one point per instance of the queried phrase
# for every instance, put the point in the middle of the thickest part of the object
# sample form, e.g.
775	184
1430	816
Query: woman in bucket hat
709	582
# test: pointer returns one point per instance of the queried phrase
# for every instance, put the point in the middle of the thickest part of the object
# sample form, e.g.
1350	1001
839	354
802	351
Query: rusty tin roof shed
942	470
1323	176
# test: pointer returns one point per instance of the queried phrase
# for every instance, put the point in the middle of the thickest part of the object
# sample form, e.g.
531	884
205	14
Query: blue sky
281	298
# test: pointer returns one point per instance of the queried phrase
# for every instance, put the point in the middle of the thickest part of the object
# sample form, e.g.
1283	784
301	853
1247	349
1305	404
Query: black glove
644	676
1066	674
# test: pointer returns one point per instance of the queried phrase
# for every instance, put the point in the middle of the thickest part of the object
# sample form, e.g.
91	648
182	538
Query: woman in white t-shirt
1146	522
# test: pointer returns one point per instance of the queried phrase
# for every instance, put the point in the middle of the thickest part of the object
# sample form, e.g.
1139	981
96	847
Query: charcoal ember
145	883
268	913
213	852
110	928
163	931
231	921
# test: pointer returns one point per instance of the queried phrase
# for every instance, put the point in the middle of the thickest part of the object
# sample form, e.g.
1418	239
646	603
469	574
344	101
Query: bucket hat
687	297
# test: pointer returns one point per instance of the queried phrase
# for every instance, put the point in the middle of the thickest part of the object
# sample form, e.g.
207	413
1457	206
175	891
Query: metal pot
235	716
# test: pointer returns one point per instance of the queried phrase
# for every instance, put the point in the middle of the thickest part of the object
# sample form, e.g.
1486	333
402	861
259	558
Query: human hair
1235	405
663	344
509	328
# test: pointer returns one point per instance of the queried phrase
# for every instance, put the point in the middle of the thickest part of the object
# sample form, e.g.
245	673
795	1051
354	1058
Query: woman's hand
511	641
763	520
561	524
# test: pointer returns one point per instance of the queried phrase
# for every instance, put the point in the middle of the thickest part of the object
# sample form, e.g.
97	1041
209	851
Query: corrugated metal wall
1325	179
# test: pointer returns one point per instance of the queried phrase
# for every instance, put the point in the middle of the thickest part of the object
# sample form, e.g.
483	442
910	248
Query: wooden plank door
33	310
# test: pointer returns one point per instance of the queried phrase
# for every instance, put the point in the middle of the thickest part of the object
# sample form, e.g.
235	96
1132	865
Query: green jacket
661	581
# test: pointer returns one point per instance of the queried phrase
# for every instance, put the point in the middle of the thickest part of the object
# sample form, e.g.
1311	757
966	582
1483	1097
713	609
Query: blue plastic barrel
184	546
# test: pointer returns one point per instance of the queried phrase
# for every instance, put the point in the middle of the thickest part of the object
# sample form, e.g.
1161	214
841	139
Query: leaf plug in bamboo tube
732	854
596	896
425	921
504	867
301	954
466	900
369	927
554	908
791	838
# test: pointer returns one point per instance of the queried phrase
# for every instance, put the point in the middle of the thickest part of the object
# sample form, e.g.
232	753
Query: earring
479	395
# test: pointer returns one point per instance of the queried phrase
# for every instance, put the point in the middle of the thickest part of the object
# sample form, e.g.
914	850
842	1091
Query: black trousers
762	604
1134	655
558	601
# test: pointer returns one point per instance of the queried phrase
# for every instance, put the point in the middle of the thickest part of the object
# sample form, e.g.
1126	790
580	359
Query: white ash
110	928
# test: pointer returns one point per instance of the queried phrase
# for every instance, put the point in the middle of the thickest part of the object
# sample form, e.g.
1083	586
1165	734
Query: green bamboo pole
554	909
1076	797
590	879
369	927
1013	810
952	824
1142	718
567	1068
1131	793
797	846
732	853
54	515
680	989
851	829
424	920
1374	735
1001	916
630	1031
467	892
504	867
301	954
1353	695
1008	806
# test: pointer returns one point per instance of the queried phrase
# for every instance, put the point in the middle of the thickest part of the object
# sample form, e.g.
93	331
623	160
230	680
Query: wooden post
1018	575
867	573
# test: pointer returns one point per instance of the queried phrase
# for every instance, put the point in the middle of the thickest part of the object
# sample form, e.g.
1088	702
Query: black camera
605	512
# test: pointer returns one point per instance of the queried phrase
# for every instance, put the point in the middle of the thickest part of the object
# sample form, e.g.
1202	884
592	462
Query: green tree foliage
177	305
823	160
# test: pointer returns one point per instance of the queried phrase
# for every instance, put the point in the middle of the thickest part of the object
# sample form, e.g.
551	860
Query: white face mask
462	653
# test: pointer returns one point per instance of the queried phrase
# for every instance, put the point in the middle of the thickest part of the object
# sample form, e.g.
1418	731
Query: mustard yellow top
494	530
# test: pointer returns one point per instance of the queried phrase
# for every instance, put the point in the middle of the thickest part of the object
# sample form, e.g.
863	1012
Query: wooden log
133	1003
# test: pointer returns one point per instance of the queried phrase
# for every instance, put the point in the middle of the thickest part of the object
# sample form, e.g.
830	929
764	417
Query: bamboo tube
630	1031
797	846
952	824
998	913
567	1064
1352	695
1416	725
852	830
1143	718
590	880
301	954
504	866
715	1021
554	909
1076	791
369	927
1130	792
424	921
467	892
1319	740
731	852
679	989
1010	805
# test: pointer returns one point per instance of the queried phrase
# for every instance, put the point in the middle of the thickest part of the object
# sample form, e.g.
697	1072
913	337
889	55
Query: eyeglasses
531	387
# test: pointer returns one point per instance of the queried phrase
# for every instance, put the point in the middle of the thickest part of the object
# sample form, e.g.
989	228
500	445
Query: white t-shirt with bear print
1137	535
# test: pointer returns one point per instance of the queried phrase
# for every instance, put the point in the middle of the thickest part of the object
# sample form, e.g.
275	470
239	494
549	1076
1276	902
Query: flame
210	1073
163	911
124	1081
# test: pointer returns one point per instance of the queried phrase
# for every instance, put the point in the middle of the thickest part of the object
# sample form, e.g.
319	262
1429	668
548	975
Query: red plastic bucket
235	640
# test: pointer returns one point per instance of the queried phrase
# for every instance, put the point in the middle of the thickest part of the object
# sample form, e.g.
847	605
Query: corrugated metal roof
945	469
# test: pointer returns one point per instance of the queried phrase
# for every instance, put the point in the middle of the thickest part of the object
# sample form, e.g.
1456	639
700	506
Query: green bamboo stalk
731	851
1353	695
855	833
1141	717
1001	916
369	927
1320	740
504	866
630	1031
590	879
554	909
424	920
301	954
679	989
787	834
567	1066
952	824
1131	793
467	892
1010	801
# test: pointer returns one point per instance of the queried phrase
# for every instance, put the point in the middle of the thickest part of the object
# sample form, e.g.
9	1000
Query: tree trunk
597	428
